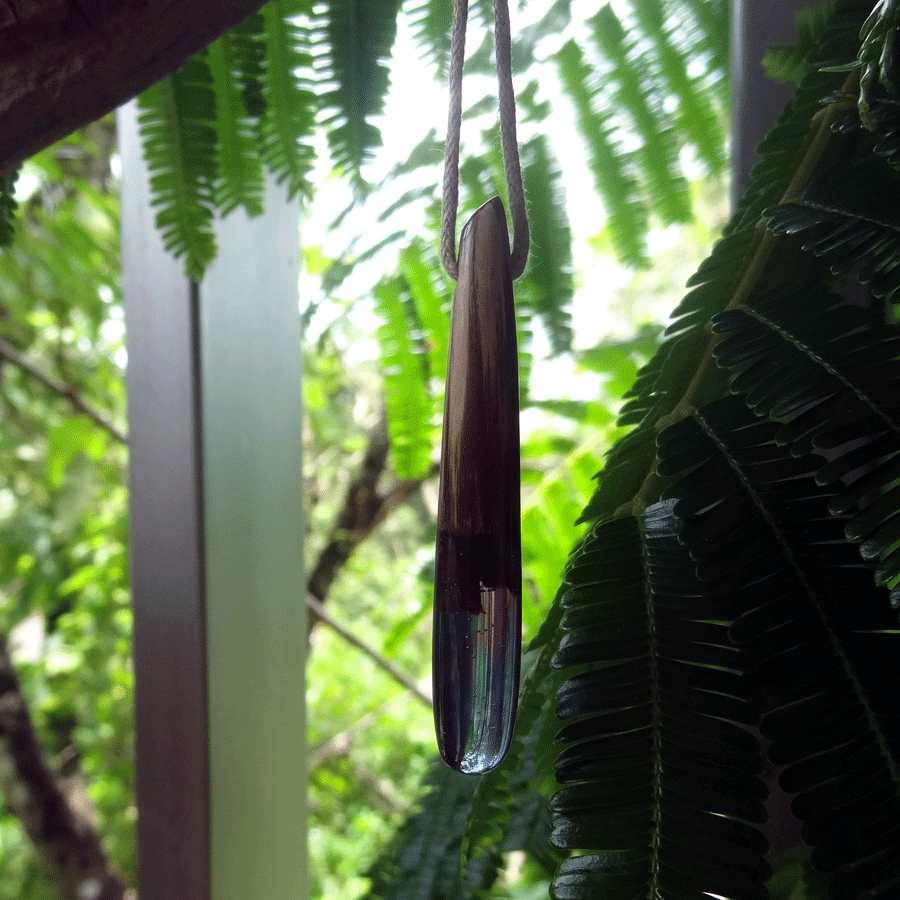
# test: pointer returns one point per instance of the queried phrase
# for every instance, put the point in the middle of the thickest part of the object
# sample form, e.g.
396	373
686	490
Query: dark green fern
240	181
176	124
357	36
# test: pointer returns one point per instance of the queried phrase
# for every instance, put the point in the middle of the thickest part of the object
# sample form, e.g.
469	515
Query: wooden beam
64	63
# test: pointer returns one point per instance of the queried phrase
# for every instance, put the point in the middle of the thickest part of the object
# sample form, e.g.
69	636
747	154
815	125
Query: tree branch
67	841
66	391
394	671
362	511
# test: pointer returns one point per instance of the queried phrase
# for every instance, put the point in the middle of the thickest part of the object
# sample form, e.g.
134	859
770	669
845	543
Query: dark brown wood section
64	63
167	571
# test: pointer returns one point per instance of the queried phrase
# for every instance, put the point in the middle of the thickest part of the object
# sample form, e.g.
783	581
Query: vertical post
216	530
756	100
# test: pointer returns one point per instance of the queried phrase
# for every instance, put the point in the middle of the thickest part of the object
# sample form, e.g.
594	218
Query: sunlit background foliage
622	109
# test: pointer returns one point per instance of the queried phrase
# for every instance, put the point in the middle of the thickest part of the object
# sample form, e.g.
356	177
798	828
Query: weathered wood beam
64	63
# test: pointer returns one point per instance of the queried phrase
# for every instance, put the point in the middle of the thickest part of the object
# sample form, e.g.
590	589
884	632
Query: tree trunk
64	833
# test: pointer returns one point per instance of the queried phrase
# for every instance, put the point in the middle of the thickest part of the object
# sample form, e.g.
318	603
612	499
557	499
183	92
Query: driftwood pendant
478	570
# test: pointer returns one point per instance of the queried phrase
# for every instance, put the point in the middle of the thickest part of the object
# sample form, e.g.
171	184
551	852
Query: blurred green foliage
64	598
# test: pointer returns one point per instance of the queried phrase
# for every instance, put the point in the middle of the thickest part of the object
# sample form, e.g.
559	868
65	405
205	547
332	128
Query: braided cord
508	139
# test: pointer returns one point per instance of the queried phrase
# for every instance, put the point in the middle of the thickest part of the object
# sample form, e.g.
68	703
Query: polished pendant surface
478	570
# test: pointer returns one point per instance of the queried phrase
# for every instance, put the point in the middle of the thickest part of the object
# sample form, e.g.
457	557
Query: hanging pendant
478	569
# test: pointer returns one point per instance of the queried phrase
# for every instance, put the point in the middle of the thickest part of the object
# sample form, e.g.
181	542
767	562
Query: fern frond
287	124
250	62
550	259
423	860
848	216
805	611
410	409
696	113
431	22
616	183
663	773
837	379
667	188
663	381
713	18
358	35
418	267
240	181
176	125
7	206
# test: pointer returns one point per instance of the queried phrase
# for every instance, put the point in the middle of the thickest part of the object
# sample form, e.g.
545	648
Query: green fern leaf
240	180
359	35
7	206
658	153
664	380
287	124
804	610
659	758
176	125
410	408
615	182
697	114
550	259
250	62
834	373
431	21
419	266
848	216
423	860
714	28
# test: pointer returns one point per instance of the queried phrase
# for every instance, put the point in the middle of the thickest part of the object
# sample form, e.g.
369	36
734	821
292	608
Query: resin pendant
478	568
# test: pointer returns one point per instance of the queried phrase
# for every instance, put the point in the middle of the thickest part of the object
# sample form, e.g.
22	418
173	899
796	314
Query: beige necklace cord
508	139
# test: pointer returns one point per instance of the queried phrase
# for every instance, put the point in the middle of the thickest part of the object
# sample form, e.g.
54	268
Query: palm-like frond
422	861
418	266
287	122
176	124
548	290
410	407
848	215
240	181
834	373
658	153
431	22
356	36
613	175
787	599
696	114
250	62
804	610
662	771
665	379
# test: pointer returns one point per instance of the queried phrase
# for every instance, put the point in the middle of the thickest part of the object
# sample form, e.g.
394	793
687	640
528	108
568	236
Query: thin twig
394	671
66	391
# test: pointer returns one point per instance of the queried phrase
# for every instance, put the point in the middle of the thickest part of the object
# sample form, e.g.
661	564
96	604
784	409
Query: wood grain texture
64	63
478	578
